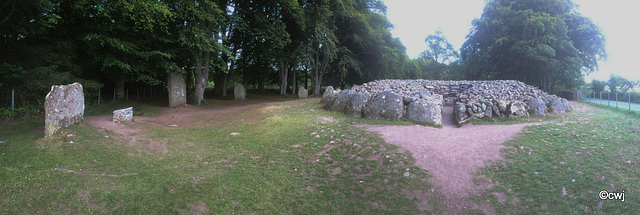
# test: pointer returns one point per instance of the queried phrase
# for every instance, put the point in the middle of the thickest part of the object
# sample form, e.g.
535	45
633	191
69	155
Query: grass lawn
285	159
561	167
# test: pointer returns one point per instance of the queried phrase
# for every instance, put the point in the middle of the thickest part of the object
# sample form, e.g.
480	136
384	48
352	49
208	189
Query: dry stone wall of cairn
392	99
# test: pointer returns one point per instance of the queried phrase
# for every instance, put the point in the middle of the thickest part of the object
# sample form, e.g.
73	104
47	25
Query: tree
439	49
545	43
597	86
618	83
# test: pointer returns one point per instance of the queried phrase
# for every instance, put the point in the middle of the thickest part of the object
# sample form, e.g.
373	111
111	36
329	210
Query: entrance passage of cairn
422	101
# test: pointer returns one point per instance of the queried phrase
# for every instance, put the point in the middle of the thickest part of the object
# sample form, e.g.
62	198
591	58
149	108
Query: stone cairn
422	100
63	106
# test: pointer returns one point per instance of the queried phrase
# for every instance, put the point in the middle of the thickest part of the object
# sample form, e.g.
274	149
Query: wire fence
619	100
14	103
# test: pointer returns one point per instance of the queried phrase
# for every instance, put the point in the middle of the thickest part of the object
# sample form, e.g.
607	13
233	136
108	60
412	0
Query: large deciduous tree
545	43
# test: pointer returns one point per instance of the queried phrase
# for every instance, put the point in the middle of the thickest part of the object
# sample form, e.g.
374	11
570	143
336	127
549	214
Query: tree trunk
294	85
202	75
261	82
306	79
120	88
284	72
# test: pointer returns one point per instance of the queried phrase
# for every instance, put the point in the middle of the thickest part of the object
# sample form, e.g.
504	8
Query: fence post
616	99
629	100
600	97
608	98
99	96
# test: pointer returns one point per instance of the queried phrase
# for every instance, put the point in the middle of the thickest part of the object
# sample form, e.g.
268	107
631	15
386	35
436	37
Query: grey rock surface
426	110
357	102
537	107
63	106
123	115
239	92
518	109
177	89
385	105
342	101
303	93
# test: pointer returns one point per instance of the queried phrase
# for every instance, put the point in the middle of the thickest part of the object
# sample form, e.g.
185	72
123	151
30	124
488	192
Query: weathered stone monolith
123	115
239	92
63	106
303	93
176	87
426	110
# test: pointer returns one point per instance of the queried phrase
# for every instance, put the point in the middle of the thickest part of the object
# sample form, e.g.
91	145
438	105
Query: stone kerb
63	106
414	100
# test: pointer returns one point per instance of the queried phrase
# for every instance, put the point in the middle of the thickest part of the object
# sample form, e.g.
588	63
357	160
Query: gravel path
452	155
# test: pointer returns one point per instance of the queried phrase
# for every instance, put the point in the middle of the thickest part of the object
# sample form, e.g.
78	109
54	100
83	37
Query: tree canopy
546	43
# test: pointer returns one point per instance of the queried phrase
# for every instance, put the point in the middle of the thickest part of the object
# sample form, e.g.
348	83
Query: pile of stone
422	100
506	98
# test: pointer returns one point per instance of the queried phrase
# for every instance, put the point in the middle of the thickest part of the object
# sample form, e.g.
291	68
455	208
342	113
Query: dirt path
452	155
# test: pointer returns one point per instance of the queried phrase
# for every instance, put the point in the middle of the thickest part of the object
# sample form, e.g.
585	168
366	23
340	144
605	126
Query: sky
413	20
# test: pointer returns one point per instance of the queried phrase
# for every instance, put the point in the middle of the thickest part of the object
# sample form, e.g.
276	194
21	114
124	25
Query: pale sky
413	20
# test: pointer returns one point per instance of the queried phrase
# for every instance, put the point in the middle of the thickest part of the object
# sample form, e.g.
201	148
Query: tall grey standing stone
303	93
123	115
385	105
63	106
176	87
239	92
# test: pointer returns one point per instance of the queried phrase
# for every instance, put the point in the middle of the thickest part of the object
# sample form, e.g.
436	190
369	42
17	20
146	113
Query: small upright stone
239	92
63	106
177	89
303	93
123	115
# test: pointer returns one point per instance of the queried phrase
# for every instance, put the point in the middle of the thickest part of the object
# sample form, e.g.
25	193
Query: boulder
329	98
460	112
176	87
239	92
342	101
303	93
558	105
357	102
63	106
426	110
123	115
537	107
385	105
518	109
502	106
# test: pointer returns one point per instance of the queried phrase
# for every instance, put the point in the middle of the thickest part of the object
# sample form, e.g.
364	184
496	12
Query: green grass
275	165
584	152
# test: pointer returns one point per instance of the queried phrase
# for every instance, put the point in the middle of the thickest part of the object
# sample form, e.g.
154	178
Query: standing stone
239	92
303	93
426	111
176	87
123	115
63	106
537	107
329	98
385	105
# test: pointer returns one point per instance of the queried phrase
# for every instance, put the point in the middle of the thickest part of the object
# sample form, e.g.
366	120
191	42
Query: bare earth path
452	155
